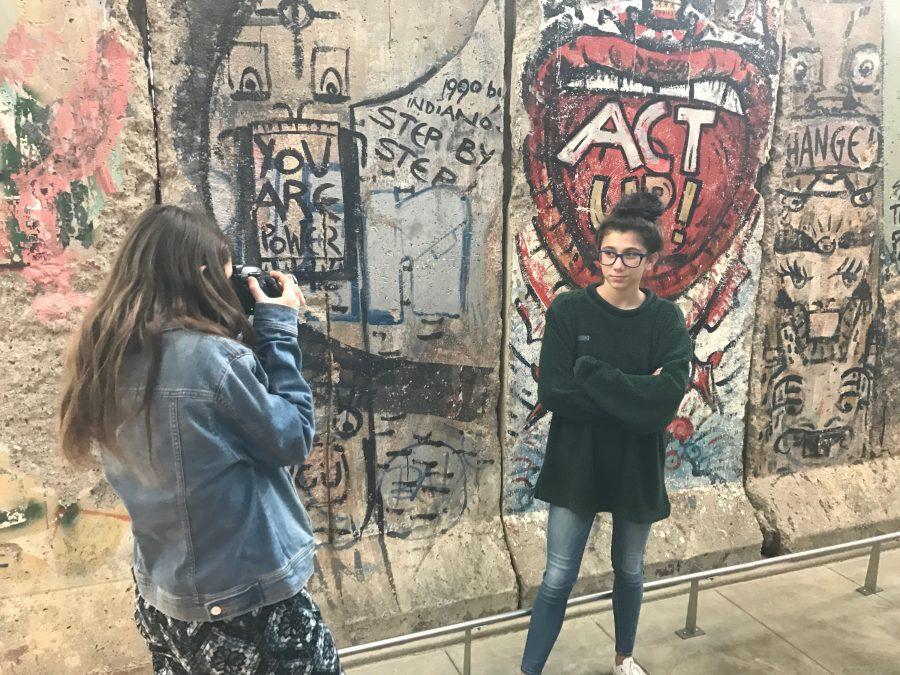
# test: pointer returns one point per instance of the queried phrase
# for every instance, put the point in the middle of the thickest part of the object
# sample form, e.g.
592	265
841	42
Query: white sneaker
629	667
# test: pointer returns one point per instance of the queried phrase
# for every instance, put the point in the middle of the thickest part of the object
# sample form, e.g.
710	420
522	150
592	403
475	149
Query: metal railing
690	628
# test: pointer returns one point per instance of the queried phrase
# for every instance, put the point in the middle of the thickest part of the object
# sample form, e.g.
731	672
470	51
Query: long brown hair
169	270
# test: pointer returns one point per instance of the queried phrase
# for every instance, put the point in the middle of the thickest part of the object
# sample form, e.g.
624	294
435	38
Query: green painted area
32	125
19	517
114	166
69	515
10	163
17	239
29	121
76	211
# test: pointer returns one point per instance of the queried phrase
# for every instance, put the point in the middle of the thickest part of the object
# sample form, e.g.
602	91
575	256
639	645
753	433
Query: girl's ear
652	259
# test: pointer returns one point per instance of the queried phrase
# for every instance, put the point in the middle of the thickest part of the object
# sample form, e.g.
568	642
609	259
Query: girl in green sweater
614	367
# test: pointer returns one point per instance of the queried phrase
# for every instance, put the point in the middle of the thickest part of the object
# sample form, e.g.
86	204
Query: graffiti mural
673	97
369	178
822	342
57	148
42	535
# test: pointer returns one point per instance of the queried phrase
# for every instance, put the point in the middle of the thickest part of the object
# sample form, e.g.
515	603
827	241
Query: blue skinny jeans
567	534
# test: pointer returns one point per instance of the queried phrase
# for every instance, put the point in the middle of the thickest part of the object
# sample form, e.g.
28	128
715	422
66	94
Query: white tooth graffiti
603	81
676	90
719	93
634	87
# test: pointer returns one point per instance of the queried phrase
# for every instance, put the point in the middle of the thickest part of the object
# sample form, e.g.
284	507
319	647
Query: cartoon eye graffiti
787	394
794	202
826	245
856	389
251	81
248	71
865	68
803	67
346	422
330	76
797	273
331	82
850	272
862	197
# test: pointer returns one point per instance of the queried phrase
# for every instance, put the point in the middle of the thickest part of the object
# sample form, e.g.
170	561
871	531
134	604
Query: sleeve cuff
587	365
267	314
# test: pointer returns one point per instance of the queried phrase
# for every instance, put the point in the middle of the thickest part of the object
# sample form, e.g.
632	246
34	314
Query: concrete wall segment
360	145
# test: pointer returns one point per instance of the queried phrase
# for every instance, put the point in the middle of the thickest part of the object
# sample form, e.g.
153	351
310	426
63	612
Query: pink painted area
85	127
84	130
50	273
20	53
105	180
58	305
51	279
124	517
5	212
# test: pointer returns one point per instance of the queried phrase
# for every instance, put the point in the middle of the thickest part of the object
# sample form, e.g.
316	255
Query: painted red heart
572	86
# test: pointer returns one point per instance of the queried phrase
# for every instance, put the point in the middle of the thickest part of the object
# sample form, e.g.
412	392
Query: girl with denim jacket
197	416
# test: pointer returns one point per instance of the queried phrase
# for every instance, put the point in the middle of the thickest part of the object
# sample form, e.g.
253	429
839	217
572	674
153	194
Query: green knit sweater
606	448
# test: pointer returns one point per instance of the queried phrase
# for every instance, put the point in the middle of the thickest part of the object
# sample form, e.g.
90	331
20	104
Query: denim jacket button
215	611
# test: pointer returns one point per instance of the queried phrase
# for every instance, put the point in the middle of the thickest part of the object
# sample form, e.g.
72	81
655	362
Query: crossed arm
588	390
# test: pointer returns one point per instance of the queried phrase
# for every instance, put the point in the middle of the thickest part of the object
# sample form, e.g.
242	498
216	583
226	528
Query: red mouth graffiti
609	117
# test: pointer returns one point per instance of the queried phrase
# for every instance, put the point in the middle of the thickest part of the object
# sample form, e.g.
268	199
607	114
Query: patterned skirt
287	637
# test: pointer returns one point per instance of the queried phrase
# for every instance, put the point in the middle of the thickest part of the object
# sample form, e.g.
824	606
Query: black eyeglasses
629	258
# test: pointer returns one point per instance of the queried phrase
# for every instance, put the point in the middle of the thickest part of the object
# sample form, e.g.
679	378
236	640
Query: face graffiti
656	99
819	82
824	330
835	147
825	306
823	262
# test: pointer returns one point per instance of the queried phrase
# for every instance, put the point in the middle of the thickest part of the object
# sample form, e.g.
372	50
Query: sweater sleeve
557	389
645	404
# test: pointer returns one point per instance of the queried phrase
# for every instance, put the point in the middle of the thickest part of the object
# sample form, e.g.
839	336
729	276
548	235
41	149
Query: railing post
871	587
690	625
467	653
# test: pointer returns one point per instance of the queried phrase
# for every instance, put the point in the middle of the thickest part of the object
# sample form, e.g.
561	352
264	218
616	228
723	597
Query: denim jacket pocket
233	605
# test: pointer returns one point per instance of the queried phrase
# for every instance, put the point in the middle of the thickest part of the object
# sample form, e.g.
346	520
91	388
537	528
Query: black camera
240	278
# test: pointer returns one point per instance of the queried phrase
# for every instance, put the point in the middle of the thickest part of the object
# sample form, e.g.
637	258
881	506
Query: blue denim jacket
218	527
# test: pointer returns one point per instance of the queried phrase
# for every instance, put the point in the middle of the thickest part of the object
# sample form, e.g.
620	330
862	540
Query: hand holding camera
285	286
254	285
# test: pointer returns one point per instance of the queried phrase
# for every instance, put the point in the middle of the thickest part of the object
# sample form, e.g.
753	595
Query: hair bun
644	205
